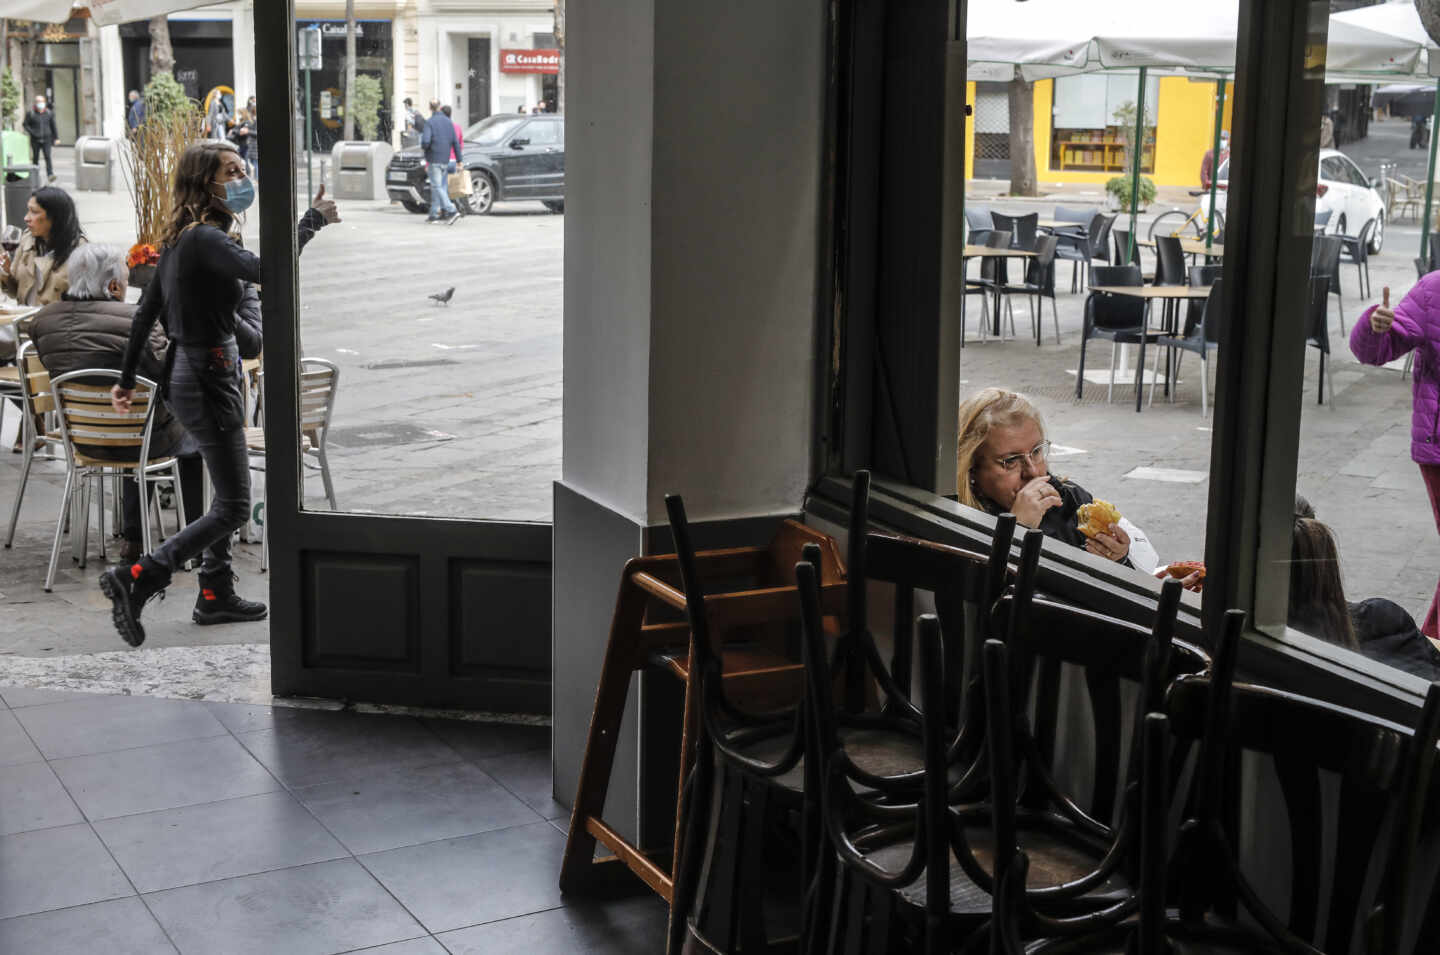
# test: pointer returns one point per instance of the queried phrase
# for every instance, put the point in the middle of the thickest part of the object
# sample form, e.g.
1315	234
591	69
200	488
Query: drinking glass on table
9	242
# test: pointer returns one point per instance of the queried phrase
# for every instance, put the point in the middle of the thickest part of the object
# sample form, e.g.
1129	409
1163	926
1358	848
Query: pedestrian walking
197	287
246	137
217	118
40	127
414	123
440	142
136	114
1382	335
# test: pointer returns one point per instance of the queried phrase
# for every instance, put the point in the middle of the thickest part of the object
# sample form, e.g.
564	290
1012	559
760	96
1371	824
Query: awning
110	12
45	11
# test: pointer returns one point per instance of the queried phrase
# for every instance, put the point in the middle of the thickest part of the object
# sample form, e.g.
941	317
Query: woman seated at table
1003	467
36	273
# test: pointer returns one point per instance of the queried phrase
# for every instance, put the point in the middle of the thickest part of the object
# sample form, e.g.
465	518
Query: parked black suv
510	156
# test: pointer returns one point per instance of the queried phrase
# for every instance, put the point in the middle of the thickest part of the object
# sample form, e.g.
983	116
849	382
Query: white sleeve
1143	555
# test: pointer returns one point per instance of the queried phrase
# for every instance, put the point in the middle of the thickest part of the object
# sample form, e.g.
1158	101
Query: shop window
1093	123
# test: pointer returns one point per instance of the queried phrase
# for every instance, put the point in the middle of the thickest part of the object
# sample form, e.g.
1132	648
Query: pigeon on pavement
443	298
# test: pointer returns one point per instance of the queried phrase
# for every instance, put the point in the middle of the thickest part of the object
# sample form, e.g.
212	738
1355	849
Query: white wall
610	73
736	186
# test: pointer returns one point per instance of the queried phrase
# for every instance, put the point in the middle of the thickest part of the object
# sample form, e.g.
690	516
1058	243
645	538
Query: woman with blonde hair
1004	466
198	285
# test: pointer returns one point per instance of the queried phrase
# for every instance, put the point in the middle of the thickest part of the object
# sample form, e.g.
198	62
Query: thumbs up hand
326	207
1382	318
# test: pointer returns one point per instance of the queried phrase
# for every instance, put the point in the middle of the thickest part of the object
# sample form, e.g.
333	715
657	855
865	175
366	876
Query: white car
1346	193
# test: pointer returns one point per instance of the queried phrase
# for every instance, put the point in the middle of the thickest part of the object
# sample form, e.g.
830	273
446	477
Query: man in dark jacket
90	328
438	139
136	115
40	127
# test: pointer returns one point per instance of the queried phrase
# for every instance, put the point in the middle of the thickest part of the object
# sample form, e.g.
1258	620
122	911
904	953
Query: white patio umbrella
45	11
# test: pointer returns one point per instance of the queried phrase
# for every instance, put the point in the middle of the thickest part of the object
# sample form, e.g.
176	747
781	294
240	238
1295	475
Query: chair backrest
319	382
1203	276
34	381
1022	229
1362	247
1115	311
978	217
1122	245
1325	256
1063	214
1211	317
1100	227
1317	314
991	267
1169	260
82	400
1041	271
1380	804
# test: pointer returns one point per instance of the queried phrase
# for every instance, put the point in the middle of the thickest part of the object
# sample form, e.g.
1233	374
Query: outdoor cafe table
985	252
1150	293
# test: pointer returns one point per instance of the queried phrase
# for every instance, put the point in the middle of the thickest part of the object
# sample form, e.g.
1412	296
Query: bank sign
529	61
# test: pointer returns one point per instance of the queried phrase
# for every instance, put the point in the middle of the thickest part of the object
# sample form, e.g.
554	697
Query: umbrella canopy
45	11
1047	38
109	12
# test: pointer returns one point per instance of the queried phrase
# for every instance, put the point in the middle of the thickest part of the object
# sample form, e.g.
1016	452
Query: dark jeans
192	483
36	148
200	378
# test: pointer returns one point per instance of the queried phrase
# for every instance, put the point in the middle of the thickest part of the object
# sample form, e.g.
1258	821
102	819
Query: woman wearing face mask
197	286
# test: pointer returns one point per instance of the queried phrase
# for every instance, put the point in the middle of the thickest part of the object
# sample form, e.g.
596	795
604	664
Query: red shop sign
529	61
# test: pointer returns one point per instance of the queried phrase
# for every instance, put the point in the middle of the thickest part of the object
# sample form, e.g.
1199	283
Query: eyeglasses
1036	457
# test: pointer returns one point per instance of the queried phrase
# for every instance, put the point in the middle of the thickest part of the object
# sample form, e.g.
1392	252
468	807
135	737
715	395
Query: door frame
455	579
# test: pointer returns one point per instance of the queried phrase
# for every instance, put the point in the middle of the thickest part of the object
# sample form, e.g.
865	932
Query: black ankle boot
129	588
218	602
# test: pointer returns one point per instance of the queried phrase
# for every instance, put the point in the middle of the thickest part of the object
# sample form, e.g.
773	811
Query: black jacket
41	126
1388	634
200	291
72	335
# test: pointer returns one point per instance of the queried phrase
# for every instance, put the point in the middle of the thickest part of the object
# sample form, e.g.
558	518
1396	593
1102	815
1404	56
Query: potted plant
1118	189
172	123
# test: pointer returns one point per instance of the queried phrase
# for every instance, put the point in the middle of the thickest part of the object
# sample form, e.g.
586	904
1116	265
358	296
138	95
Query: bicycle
1177	223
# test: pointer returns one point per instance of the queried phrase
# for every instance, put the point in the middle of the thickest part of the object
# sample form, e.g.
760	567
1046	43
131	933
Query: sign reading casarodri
529	61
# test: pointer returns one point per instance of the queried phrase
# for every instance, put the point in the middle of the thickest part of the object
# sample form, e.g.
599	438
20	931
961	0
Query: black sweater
198	287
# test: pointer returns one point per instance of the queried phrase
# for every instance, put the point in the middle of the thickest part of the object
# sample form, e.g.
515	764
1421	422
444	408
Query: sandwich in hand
1096	517
1181	569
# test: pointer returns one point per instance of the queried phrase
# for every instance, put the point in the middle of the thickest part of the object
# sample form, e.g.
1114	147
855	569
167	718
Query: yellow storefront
1078	139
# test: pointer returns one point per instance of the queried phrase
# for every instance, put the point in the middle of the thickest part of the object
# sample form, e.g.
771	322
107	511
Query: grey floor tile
527	775
162	777
103	724
120	927
477	740
15	745
55	869
251	717
32	798
311	910
615	928
416	946
18	696
218	840
410	806
350	746
460	882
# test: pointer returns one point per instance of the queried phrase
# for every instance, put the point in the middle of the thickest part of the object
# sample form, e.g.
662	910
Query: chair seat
255	440
86	461
10	374
1053	861
878	751
1212	938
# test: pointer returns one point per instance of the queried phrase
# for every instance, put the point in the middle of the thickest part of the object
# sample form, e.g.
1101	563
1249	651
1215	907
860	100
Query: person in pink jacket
1382	335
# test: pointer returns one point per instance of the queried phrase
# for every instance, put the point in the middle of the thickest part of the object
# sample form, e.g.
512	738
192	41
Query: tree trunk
24	56
162	54
1022	138
1429	11
560	45
349	69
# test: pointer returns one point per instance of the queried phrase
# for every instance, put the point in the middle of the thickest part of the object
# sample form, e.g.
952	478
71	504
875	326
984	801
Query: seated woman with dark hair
1378	628
1004	466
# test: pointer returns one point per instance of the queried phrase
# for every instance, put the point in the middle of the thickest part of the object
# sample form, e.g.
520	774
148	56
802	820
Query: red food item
1181	569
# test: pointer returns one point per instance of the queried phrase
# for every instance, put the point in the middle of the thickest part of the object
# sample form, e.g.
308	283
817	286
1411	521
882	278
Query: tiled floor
144	825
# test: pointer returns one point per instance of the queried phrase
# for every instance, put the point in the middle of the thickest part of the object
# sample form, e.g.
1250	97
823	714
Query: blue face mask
239	195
